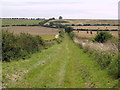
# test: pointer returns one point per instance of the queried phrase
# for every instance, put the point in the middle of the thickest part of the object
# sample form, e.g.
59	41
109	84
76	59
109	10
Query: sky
68	9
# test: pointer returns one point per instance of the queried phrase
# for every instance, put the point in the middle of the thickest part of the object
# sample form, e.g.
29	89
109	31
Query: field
91	21
84	34
96	27
46	33
20	22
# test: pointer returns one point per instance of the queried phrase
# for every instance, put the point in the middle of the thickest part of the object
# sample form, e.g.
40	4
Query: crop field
96	27
45	33
20	22
34	30
91	21
84	34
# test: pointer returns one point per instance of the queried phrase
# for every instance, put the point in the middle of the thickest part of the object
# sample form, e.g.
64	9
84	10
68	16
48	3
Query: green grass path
61	66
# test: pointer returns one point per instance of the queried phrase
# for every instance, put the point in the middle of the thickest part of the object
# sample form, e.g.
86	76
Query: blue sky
74	9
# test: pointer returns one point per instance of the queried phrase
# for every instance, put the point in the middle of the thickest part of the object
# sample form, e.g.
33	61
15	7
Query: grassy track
61	66
48	37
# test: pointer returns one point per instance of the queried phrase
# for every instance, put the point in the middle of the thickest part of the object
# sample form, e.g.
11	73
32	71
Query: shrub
103	37
87	25
60	22
58	40
61	36
67	25
73	25
68	29
61	33
114	67
79	25
71	34
19	46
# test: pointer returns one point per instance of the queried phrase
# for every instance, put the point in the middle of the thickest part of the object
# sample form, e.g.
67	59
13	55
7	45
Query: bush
103	37
68	29
114	67
79	25
61	33
19	46
58	40
60	22
61	36
87	25
73	25
71	34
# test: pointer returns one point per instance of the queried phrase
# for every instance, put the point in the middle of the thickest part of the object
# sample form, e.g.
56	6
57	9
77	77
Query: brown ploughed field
34	30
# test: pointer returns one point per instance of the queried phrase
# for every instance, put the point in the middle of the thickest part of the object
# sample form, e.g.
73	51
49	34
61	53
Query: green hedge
103	37
15	47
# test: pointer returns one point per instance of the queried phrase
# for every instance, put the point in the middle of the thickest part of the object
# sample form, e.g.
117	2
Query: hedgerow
15	47
107	60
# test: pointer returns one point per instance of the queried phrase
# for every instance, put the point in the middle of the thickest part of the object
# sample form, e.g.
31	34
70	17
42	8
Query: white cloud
67	8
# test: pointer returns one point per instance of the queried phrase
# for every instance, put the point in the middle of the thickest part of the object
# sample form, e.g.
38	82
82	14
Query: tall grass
106	59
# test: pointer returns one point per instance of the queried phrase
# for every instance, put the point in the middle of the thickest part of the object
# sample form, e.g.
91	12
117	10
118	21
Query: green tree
60	17
103	37
68	29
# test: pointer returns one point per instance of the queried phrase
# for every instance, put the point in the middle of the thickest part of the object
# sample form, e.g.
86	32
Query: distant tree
87	25
60	17
52	18
73	24
79	25
68	29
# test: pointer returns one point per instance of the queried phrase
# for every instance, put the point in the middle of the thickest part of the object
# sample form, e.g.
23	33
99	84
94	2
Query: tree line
23	18
92	24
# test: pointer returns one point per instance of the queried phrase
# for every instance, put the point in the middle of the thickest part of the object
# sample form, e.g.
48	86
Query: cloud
67	8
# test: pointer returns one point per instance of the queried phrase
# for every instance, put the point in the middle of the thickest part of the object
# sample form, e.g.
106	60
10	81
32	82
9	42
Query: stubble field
44	32
84	34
